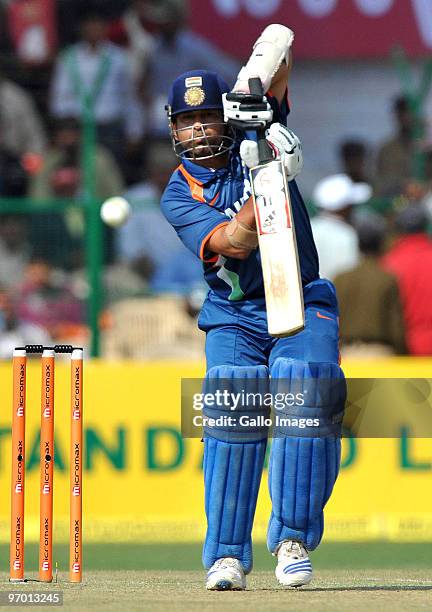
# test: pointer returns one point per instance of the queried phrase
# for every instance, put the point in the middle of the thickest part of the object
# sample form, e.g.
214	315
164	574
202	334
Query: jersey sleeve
194	221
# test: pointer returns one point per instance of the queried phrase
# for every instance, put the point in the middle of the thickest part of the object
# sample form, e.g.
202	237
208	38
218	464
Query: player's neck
214	163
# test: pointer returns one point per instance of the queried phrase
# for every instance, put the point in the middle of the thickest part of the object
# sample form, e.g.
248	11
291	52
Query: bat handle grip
265	152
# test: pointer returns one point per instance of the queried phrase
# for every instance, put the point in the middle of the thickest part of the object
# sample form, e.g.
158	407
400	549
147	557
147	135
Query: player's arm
270	60
239	237
206	231
279	83
284	142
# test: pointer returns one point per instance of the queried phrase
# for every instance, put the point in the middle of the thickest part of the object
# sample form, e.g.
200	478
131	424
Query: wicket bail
46	462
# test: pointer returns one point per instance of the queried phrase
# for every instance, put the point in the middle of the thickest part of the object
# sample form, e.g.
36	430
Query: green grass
157	577
175	557
347	590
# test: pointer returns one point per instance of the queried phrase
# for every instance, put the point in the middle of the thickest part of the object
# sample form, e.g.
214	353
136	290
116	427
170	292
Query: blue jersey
199	200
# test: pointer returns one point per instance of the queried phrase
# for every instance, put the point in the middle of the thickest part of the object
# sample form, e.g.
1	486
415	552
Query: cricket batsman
208	202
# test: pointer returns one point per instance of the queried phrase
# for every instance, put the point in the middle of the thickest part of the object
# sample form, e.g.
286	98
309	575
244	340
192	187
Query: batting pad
303	469
233	463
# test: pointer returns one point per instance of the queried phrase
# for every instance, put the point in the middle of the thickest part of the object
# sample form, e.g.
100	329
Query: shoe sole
296	585
225	585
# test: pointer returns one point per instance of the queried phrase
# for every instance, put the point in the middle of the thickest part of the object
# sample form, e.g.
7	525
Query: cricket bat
276	238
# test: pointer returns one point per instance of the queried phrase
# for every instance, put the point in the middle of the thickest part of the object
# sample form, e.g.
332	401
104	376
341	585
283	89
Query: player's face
202	134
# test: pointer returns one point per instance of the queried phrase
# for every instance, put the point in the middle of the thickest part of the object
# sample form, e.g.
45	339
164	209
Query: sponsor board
233	24
135	459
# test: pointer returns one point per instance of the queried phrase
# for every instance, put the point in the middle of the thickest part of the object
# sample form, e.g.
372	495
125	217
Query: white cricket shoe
226	574
294	568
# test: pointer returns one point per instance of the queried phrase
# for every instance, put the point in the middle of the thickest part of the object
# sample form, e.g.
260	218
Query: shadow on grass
359	588
374	588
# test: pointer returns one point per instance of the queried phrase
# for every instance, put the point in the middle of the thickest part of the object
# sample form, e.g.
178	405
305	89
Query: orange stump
46	467
76	458
18	466
46	461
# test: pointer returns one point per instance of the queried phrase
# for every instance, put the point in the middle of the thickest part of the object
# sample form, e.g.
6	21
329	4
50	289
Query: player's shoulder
178	181
176	191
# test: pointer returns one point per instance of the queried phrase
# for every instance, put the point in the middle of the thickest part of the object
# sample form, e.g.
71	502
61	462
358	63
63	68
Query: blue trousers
234	344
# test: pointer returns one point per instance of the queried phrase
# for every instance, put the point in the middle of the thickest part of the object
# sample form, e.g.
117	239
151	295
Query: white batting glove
286	147
271	48
243	110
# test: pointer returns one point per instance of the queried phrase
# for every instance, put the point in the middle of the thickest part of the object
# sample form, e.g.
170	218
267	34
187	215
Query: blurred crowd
115	59
372	230
60	59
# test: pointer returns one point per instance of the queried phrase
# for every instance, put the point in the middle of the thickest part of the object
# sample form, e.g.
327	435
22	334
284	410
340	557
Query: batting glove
286	147
246	111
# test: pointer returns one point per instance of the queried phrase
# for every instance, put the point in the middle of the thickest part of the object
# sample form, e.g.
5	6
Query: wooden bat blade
278	249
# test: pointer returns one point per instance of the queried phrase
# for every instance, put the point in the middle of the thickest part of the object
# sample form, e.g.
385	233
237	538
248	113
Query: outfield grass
374	555
386	591
157	577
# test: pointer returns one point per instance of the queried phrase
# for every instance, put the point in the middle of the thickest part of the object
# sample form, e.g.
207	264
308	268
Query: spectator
135	31
122	281
13	331
45	299
427	201
395	157
60	176
371	318
163	47
181	273
410	259
335	238
20	125
353	156
148	234
13	177
97	69
69	13
15	249
33	30
6	44
59	235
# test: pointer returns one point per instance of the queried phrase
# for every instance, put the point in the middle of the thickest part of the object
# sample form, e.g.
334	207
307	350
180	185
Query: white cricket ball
115	211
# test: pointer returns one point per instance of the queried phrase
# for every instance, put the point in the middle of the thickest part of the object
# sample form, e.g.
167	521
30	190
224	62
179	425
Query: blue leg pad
304	463
232	474
233	463
301	478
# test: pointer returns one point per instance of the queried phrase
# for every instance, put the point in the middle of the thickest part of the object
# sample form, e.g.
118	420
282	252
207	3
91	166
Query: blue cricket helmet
196	90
